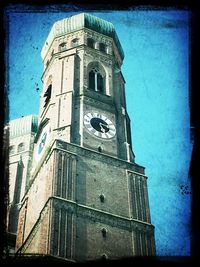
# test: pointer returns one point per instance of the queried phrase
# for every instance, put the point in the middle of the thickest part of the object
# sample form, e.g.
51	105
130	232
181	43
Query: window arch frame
75	42
21	147
11	150
97	77
96	81
62	47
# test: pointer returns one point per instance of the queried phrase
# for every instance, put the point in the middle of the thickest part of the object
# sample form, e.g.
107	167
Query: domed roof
23	126
78	22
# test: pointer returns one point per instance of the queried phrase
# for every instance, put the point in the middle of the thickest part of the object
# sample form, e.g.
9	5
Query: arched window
47	63
62	47
21	147
92	80
102	198
100	83
47	95
90	42
12	150
96	77
104	232
75	42
96	80
102	47
104	257
100	149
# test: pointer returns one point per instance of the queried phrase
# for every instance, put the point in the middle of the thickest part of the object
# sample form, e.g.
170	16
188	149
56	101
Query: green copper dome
23	126
79	22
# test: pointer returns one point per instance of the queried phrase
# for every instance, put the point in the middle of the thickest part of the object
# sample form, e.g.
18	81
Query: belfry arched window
96	77
96	80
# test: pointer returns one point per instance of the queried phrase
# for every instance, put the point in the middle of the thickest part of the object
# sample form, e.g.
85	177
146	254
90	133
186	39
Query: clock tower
87	197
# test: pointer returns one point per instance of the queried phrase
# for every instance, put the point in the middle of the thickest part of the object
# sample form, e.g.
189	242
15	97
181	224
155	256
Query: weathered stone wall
87	215
19	175
71	97
82	207
25	156
35	201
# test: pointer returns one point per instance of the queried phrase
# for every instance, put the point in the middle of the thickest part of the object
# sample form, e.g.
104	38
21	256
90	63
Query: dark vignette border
56	6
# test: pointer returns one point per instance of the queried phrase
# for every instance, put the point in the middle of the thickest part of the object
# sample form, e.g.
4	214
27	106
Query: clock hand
103	126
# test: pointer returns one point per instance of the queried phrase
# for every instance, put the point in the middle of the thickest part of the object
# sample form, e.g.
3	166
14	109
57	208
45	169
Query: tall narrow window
97	77
99	83
96	80
92	80
47	63
47	95
102	47
102	198
90	42
104	232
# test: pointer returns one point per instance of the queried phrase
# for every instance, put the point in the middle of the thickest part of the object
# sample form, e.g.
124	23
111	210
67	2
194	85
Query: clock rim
100	133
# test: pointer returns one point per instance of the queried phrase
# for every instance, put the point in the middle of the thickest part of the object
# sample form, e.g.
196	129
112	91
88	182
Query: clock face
99	125
42	142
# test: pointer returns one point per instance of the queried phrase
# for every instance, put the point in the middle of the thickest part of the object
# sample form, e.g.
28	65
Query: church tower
87	197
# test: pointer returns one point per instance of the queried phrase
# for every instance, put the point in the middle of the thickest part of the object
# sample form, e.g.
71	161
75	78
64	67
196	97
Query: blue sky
156	70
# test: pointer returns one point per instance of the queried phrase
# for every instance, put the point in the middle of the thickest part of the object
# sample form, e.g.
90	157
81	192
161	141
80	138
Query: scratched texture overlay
156	68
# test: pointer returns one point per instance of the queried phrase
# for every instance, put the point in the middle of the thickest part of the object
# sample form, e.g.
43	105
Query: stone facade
87	198
81	215
21	138
71	92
